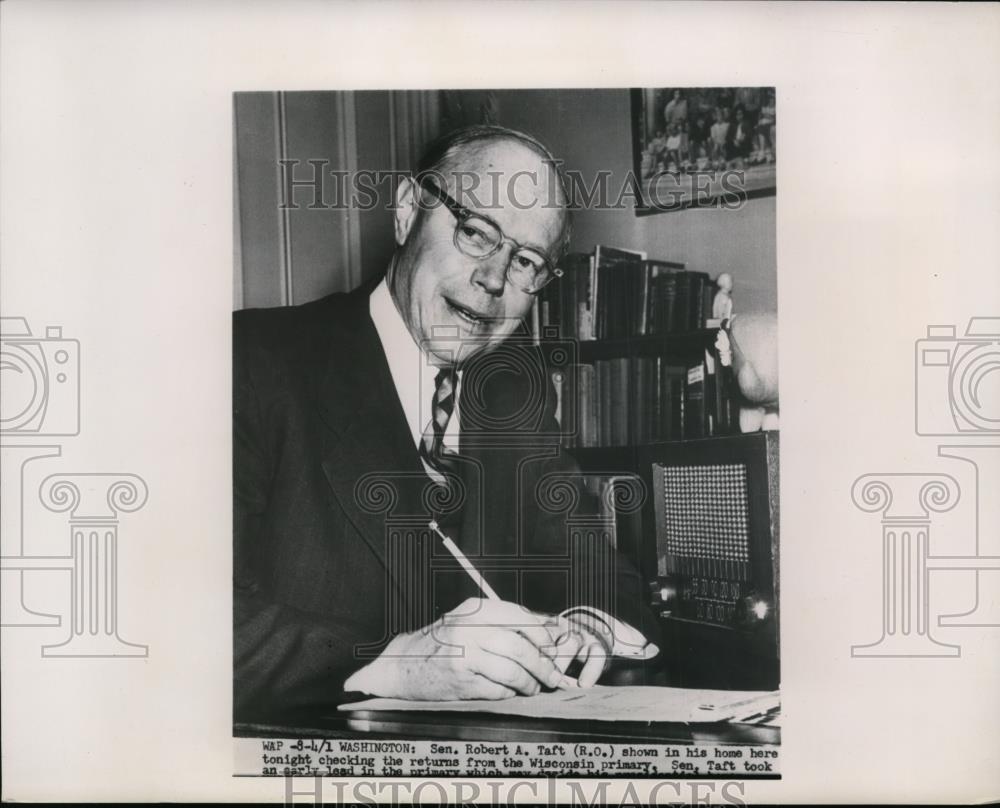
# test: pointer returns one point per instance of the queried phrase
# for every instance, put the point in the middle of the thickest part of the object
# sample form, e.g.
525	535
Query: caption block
314	757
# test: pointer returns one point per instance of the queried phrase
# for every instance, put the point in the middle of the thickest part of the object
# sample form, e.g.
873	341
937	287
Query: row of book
644	399
614	293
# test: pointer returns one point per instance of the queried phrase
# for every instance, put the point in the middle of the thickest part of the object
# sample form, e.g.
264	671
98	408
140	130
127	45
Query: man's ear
406	208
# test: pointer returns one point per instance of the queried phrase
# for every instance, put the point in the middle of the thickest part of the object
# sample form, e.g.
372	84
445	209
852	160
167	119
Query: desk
379	724
328	722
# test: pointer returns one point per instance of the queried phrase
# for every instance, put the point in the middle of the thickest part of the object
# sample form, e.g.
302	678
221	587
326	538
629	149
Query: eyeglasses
479	237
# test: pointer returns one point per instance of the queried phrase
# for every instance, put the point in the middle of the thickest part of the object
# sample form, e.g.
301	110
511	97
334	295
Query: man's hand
583	636
483	649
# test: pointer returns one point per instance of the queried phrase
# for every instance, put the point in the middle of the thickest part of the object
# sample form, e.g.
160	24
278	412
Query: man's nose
491	273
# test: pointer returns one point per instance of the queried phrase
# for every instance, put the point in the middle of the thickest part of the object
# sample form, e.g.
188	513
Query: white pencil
475	574
567	681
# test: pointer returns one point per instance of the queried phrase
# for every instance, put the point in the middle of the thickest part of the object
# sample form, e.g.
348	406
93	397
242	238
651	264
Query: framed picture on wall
702	146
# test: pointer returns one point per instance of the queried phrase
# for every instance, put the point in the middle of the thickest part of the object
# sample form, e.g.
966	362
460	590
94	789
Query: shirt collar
412	373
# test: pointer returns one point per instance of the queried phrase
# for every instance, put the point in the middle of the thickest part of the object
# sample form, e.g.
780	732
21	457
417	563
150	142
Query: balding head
457	158
493	174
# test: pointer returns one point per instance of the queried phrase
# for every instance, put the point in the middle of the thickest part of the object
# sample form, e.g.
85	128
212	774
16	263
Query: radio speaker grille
705	516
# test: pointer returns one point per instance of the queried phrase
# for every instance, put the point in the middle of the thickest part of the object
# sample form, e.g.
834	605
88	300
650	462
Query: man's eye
528	263
474	234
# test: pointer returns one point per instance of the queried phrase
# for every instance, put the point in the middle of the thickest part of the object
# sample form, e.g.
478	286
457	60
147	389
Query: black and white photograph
505	455
390	408
689	141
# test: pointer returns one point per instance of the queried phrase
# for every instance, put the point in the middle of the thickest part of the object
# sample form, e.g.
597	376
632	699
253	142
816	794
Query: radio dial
753	610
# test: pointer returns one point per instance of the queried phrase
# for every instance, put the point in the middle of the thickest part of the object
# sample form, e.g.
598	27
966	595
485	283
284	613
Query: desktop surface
416	725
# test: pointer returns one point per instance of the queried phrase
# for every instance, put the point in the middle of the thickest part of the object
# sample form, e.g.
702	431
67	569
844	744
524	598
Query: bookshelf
646	366
681	344
647	391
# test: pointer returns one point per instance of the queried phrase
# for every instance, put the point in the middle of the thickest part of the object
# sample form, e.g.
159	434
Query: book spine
620	401
632	430
603	368
644	278
568	303
682	309
654	298
711	395
593	421
694	402
669	293
673	380
585	399
656	410
592	299
582	302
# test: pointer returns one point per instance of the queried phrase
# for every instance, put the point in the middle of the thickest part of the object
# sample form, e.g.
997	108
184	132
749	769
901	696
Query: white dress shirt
412	372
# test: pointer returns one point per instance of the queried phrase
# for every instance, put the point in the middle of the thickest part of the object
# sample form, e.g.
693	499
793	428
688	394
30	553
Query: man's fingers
516	647
503	671
567	648
487	689
593	667
542	637
577	643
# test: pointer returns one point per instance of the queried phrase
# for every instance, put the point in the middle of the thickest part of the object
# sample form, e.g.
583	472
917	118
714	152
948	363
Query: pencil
566	682
475	574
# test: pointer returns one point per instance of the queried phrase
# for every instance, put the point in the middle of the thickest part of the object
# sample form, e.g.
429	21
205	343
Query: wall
591	130
285	257
309	253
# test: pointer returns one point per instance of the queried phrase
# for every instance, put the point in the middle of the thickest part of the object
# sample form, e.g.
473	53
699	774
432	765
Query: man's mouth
471	316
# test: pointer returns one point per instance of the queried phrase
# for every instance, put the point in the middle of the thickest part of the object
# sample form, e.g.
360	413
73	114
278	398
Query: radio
714	506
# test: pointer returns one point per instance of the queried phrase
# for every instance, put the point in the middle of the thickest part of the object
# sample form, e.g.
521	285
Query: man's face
440	290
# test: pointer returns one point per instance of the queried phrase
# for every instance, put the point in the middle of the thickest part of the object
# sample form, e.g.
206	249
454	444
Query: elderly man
350	409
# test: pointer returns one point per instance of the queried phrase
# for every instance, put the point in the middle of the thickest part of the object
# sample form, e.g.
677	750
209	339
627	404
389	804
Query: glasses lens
477	237
529	270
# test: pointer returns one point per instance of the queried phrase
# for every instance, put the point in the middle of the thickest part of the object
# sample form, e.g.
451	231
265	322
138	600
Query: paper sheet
628	703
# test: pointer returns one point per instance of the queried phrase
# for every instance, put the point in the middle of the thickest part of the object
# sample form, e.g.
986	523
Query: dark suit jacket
332	555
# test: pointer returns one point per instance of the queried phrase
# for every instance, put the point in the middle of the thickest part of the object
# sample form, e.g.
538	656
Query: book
587	432
620	392
673	381
711	400
695	417
637	405
667	290
603	376
613	267
700	294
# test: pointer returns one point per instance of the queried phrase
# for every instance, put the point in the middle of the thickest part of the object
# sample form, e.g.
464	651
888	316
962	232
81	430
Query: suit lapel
366	436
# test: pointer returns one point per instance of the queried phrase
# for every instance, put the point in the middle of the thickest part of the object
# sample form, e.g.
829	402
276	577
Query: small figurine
722	306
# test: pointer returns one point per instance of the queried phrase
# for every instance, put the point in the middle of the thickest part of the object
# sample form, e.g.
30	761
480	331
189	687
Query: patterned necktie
442	406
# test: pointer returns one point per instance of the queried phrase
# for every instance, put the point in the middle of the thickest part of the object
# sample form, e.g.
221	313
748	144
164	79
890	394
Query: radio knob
753	610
